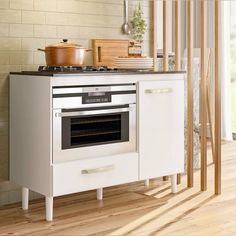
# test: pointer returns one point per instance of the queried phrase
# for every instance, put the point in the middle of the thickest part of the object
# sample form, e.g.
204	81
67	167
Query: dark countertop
93	73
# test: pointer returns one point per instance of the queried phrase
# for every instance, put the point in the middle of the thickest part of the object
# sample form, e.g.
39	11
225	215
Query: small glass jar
135	49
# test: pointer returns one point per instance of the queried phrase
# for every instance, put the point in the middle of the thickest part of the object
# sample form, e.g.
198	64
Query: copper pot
65	54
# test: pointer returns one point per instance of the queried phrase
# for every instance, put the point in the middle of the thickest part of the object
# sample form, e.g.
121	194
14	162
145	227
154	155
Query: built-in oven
93	121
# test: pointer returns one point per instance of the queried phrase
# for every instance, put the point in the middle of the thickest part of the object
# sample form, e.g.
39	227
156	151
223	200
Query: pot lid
65	44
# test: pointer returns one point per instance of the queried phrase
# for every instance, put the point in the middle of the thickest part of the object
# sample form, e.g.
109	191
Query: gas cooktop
67	70
76	69
85	70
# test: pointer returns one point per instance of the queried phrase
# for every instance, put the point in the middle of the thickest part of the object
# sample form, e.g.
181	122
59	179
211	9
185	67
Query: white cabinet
33	158
161	128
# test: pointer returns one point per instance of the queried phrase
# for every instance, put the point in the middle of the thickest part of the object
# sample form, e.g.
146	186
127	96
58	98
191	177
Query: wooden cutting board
106	50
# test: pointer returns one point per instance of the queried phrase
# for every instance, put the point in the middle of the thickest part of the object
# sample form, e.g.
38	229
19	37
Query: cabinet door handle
157	91
98	170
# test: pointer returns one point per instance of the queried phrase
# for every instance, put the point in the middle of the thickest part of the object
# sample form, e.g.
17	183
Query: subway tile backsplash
10	16
22	4
26	25
4	30
21	30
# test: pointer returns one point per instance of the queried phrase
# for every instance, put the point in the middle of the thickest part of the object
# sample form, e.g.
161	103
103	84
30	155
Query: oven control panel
96	97
87	95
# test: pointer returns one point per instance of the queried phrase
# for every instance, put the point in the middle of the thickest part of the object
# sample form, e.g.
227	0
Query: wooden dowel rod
217	100
165	35
177	50
190	93
178	178
177	34
203	95
209	105
165	178
155	34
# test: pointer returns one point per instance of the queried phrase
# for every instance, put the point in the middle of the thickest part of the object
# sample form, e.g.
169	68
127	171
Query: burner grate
76	69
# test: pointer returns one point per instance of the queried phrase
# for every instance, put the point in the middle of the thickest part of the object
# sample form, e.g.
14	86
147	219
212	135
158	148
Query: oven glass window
95	130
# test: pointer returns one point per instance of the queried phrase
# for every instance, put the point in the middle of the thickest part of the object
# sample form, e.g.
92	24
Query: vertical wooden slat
209	104
217	100
165	178
155	34
177	54
203	95
190	92
165	35
178	178
165	46
177	34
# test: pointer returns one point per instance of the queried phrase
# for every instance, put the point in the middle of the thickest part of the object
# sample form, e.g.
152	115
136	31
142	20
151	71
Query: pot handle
89	50
42	50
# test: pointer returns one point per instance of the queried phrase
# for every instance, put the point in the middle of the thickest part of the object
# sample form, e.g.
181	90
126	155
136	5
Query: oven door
93	132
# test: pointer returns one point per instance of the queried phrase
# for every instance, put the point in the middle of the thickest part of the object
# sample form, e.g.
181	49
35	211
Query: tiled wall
26	25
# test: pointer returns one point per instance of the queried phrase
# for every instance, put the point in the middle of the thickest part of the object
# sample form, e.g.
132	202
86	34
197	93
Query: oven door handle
93	112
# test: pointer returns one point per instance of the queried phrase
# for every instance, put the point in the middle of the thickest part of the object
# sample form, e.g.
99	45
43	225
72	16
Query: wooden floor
136	210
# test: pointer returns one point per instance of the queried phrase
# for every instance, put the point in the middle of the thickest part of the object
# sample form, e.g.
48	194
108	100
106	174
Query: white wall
171	19
225	57
159	10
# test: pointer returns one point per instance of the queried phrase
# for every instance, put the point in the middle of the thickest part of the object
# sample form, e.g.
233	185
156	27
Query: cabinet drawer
82	175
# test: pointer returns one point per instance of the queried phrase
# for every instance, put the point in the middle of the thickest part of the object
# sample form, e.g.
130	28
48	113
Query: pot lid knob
65	40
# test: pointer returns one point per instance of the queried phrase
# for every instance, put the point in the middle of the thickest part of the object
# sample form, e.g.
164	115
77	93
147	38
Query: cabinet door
161	128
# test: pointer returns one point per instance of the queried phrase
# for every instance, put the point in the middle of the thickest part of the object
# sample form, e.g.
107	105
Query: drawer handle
157	91
98	170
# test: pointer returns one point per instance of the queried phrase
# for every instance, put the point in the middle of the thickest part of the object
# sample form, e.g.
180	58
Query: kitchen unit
72	131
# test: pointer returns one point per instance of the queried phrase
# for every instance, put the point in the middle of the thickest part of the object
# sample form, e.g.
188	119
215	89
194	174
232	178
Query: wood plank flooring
133	209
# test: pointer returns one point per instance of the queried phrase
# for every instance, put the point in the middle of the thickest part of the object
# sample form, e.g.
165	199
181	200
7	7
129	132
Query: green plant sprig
139	25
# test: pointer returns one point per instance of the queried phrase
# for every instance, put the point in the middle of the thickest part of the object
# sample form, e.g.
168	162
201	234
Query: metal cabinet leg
49	208
99	193
25	198
174	183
